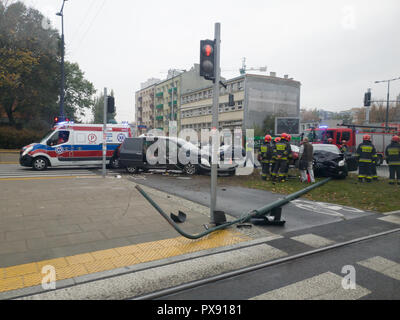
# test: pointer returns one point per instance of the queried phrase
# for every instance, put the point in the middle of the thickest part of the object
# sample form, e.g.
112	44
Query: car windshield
327	148
46	137
319	135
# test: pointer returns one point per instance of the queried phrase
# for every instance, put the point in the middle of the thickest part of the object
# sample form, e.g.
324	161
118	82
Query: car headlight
205	162
341	163
27	150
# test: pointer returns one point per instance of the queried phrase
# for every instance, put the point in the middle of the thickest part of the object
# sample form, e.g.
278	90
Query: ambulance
70	144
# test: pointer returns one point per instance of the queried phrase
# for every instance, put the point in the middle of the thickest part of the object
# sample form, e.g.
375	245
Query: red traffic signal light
207	62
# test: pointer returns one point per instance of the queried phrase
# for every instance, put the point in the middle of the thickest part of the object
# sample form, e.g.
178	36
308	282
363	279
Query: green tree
98	109
78	91
28	62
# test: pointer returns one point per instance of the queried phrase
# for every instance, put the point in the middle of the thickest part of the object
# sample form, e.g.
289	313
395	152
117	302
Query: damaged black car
329	161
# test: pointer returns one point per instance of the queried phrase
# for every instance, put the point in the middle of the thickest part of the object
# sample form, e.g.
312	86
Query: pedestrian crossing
16	171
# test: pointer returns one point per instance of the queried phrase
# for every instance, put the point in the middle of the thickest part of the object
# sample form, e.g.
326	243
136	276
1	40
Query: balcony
175	90
175	103
160	106
159	94
160	118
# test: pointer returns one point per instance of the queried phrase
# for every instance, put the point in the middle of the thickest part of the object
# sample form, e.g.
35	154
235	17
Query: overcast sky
336	49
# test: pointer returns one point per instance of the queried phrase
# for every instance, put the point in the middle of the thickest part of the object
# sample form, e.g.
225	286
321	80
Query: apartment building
255	96
164	105
144	101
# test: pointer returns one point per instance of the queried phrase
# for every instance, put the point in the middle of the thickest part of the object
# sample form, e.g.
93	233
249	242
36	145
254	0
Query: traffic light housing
367	99
110	104
207	59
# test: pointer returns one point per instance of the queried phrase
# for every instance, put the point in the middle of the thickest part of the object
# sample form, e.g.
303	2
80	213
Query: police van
70	144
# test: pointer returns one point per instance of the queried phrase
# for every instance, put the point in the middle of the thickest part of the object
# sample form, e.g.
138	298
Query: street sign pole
214	124
104	133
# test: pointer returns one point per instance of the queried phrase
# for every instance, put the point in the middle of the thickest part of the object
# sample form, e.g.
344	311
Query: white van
70	144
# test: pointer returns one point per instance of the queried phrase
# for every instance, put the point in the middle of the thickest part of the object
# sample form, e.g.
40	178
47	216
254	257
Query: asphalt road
375	262
235	201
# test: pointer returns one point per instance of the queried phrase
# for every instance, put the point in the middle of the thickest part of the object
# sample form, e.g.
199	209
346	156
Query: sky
337	49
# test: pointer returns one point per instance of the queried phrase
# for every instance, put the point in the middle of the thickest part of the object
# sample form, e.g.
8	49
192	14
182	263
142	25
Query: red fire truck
353	134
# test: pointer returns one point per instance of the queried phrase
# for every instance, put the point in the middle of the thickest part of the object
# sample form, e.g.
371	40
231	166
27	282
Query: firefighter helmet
267	138
284	136
277	139
330	140
367	137
396	138
289	137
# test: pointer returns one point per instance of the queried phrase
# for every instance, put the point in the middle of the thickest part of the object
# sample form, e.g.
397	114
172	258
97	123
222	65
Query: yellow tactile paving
27	275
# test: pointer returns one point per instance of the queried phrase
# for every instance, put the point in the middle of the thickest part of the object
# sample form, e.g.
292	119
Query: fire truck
353	134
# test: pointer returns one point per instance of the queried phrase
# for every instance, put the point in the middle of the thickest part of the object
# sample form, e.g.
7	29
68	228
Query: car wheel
190	169
39	164
114	163
132	169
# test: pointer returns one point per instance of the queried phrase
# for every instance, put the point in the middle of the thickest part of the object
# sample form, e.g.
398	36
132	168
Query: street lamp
62	90
387	102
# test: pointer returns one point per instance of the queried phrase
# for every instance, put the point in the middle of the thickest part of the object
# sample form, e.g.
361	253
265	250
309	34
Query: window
59	137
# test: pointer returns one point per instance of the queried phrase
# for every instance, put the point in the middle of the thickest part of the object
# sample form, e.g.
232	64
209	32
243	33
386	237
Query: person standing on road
282	152
306	161
392	154
266	157
366	154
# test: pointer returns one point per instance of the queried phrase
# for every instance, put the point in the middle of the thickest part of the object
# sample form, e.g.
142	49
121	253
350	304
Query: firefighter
266	157
273	161
343	147
392	154
330	141
366	154
281	154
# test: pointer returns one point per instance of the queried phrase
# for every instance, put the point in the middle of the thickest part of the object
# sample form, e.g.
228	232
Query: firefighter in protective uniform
266	157
281	154
366	154
392	154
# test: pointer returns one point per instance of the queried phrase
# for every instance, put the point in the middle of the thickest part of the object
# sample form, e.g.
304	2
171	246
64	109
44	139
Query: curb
112	275
9	151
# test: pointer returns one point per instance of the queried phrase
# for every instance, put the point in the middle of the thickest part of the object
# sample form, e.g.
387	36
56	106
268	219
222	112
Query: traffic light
367	99
207	61
110	104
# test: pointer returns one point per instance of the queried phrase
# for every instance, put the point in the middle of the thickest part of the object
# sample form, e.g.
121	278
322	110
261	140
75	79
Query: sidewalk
83	226
9	156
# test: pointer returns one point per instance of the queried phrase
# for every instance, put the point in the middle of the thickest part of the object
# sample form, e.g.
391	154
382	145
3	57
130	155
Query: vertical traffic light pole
104	149
214	123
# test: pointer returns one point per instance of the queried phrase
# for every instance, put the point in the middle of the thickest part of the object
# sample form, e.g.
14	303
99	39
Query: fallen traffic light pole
273	210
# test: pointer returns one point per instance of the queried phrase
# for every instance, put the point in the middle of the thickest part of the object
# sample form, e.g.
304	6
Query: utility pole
214	123
62	90
388	100
104	133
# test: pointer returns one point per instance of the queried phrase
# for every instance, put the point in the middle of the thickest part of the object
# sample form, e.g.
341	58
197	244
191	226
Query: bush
12	138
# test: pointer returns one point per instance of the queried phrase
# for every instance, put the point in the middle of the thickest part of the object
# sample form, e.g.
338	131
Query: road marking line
27	275
391	212
313	240
385	266
326	286
44	178
392	219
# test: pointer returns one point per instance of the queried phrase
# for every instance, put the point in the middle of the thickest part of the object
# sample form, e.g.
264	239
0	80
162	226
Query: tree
78	91
28	61
30	69
98	109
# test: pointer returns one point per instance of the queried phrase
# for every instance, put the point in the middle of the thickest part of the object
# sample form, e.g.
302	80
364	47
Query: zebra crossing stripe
325	286
313	240
385	266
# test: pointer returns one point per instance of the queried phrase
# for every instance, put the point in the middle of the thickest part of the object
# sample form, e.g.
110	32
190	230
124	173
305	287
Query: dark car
329	161
134	156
